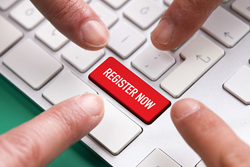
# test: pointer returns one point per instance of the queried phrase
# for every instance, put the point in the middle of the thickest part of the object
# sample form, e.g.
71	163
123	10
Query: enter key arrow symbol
227	34
200	57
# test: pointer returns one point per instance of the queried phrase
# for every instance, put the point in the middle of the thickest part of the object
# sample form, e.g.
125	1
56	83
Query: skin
67	122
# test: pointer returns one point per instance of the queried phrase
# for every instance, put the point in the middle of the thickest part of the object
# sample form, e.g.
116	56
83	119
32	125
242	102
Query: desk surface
16	109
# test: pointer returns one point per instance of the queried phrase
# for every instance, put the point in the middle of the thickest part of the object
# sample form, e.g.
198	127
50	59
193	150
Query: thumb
209	136
40	140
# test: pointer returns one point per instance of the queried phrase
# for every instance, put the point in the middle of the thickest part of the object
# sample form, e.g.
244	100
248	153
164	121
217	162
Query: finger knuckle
24	150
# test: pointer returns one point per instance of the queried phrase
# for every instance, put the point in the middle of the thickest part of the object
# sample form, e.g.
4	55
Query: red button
129	90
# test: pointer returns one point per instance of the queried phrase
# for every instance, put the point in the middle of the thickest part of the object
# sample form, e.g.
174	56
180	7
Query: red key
129	90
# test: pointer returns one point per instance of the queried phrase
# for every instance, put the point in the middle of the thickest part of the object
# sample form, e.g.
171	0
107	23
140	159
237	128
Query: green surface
16	109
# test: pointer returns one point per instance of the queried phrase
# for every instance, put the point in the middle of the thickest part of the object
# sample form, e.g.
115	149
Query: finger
76	20
41	140
208	135
181	20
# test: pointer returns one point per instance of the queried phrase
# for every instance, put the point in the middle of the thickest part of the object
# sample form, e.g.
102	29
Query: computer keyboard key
9	35
51	37
200	164
153	62
199	55
144	12
116	4
116	131
225	27
26	15
32	64
128	89
5	4
64	87
242	7
158	158
125	40
168	2
238	84
80	58
108	17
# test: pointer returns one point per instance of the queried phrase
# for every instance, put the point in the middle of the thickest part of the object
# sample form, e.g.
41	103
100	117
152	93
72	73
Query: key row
226	28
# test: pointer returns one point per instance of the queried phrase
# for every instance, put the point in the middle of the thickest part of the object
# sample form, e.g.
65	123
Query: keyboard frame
161	133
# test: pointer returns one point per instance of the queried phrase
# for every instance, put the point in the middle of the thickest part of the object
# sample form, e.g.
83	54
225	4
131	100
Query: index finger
76	20
181	20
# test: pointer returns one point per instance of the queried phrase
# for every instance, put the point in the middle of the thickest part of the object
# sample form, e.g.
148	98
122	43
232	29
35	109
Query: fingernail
91	104
185	108
163	32
95	34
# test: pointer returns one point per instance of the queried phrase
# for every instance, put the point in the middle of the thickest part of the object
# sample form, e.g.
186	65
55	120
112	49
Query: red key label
129	90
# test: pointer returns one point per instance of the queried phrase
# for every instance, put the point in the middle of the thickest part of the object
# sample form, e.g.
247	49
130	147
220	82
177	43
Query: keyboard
138	82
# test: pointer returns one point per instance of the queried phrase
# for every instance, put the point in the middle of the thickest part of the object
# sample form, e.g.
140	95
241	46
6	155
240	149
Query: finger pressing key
208	135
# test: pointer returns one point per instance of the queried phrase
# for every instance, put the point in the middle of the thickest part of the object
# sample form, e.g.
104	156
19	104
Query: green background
16	108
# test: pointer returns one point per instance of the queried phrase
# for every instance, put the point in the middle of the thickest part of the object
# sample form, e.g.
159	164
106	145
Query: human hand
40	140
181	20
76	20
209	136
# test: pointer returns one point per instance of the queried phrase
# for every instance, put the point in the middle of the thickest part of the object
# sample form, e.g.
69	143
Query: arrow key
225	27
200	55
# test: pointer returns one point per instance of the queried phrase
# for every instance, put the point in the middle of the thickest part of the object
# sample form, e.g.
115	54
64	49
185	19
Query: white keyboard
212	66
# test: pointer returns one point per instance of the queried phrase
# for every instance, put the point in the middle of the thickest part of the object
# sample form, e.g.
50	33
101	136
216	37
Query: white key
153	62
9	35
87	1
116	130
225	27
238	84
105	15
242	7
116	4
125	40
64	87
168	2
199	56
158	158
32	64
50	36
26	15
80	58
201	164
5	4
144	12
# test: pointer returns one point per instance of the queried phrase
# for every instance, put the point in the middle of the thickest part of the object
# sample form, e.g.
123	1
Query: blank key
158	158
199	56
116	130
5	4
225	27
116	4
66	86
239	84
9	35
144	13
32	64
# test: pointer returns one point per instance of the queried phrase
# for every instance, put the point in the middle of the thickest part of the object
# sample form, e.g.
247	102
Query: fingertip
184	108
162	35
95	35
91	104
